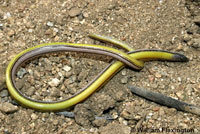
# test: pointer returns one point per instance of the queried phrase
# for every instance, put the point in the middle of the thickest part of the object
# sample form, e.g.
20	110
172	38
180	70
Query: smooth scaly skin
133	59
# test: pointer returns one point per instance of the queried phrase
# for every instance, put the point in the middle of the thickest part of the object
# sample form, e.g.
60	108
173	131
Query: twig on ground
165	100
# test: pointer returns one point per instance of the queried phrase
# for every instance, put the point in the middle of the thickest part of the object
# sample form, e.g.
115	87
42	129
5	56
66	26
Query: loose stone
74	12
8	107
54	82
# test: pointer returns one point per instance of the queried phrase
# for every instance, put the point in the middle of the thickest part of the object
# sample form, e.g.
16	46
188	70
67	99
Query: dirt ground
172	25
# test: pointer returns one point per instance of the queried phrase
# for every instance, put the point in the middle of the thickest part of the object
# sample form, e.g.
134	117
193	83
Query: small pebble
11	33
36	74
151	78
4	93
156	109
30	30
54	82
6	131
183	125
49	32
180	94
30	25
55	30
158	75
60	74
74	12
32	125
30	71
67	68
85	14
149	116
34	116
123	121
68	74
55	92
2	116
196	43
50	24
8	108
73	78
7	15
82	75
21	73
48	67
124	80
162	111
20	83
137	117
45	115
179	79
93	130
114	115
60	18
186	37
55	122
123	72
30	91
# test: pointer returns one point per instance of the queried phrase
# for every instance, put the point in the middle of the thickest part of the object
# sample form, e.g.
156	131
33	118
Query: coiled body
133	59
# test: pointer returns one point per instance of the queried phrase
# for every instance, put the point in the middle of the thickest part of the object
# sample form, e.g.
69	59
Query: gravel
168	25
